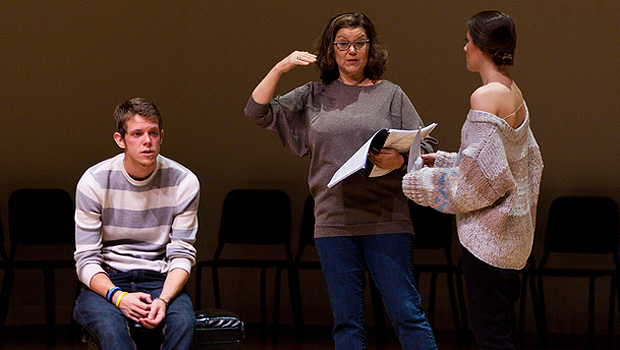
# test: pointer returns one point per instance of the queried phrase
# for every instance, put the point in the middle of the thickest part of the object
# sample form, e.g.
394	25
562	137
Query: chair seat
577	272
248	263
434	268
35	264
218	329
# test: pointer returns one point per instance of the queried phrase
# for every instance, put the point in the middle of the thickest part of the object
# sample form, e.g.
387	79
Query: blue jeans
112	328
388	257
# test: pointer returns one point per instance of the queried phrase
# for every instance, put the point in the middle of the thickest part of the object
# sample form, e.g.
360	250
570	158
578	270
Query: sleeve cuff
181	263
88	272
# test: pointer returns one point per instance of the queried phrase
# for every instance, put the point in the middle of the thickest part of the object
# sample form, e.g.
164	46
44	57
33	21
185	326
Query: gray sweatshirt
329	122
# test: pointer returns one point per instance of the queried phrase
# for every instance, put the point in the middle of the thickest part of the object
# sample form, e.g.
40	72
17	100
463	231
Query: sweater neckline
476	115
360	86
142	182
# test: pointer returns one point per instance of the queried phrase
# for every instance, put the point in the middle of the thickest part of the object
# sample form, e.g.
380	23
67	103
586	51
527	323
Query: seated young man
136	223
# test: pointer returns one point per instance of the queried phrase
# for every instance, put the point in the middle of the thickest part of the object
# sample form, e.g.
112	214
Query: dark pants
491	296
112	328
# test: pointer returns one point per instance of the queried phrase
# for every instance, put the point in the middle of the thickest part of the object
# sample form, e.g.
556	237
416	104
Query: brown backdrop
66	64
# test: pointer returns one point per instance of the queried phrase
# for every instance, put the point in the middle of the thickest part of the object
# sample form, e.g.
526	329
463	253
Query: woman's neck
355	81
493	74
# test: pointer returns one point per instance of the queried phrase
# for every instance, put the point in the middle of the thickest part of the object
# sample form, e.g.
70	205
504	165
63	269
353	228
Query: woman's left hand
386	158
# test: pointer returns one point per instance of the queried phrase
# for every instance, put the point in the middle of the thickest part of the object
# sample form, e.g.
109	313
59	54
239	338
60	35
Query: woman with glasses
361	223
491	184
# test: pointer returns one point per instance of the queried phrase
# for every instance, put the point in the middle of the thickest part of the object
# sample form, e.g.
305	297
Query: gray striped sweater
129	225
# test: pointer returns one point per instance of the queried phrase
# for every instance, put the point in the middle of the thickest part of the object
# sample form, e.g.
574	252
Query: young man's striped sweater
131	225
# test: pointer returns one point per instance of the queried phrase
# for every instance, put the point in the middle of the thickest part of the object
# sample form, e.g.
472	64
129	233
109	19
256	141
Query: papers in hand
415	161
400	140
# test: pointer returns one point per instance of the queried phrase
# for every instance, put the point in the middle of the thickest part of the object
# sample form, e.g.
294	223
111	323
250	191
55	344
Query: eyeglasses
357	45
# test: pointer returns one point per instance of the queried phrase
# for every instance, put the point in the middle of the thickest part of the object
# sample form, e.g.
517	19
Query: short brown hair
131	108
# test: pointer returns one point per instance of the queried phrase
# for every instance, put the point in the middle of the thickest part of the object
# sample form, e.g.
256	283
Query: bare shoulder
489	97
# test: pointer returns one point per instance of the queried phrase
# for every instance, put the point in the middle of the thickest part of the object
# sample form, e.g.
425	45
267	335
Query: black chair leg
50	305
544	333
463	303
216	288
591	335
5	298
612	309
263	304
74	327
455	308
296	303
431	300
198	287
276	305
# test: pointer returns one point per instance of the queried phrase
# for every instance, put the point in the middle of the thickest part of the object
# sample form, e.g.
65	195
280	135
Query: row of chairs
587	225
263	217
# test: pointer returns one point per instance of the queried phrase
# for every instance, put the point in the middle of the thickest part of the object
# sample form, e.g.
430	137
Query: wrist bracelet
164	300
111	292
118	301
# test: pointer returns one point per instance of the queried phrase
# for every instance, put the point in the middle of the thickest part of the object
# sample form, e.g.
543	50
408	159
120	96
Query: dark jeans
388	258
491	296
112	328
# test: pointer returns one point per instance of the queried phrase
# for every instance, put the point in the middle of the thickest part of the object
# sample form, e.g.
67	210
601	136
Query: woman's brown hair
324	47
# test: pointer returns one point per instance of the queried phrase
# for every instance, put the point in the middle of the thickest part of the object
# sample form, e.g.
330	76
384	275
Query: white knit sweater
492	186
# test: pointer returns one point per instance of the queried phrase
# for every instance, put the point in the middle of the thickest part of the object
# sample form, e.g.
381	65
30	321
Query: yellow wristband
118	301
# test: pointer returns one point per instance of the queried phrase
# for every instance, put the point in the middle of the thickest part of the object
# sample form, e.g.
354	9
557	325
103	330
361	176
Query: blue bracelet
111	293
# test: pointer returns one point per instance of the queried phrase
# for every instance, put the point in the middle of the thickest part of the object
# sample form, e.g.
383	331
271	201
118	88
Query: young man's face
141	144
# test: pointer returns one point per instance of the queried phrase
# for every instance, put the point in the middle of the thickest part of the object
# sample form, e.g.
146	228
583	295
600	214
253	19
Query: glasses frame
356	43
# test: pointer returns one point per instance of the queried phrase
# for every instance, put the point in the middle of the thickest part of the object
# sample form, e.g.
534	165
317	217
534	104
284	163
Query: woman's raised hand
296	58
265	89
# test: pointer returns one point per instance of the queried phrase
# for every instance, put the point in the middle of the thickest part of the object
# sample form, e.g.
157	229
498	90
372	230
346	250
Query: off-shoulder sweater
491	184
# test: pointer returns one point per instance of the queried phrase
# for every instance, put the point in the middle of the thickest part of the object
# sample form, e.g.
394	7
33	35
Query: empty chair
582	225
39	218
257	218
435	230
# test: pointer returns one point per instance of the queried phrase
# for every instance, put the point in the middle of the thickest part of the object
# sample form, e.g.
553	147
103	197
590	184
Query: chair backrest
256	217
41	217
306	236
306	231
3	253
432	229
583	225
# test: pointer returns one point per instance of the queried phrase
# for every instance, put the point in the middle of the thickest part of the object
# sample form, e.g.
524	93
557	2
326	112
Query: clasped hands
143	309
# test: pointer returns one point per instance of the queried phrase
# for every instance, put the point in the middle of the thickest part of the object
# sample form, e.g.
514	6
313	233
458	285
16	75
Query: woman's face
473	54
351	62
